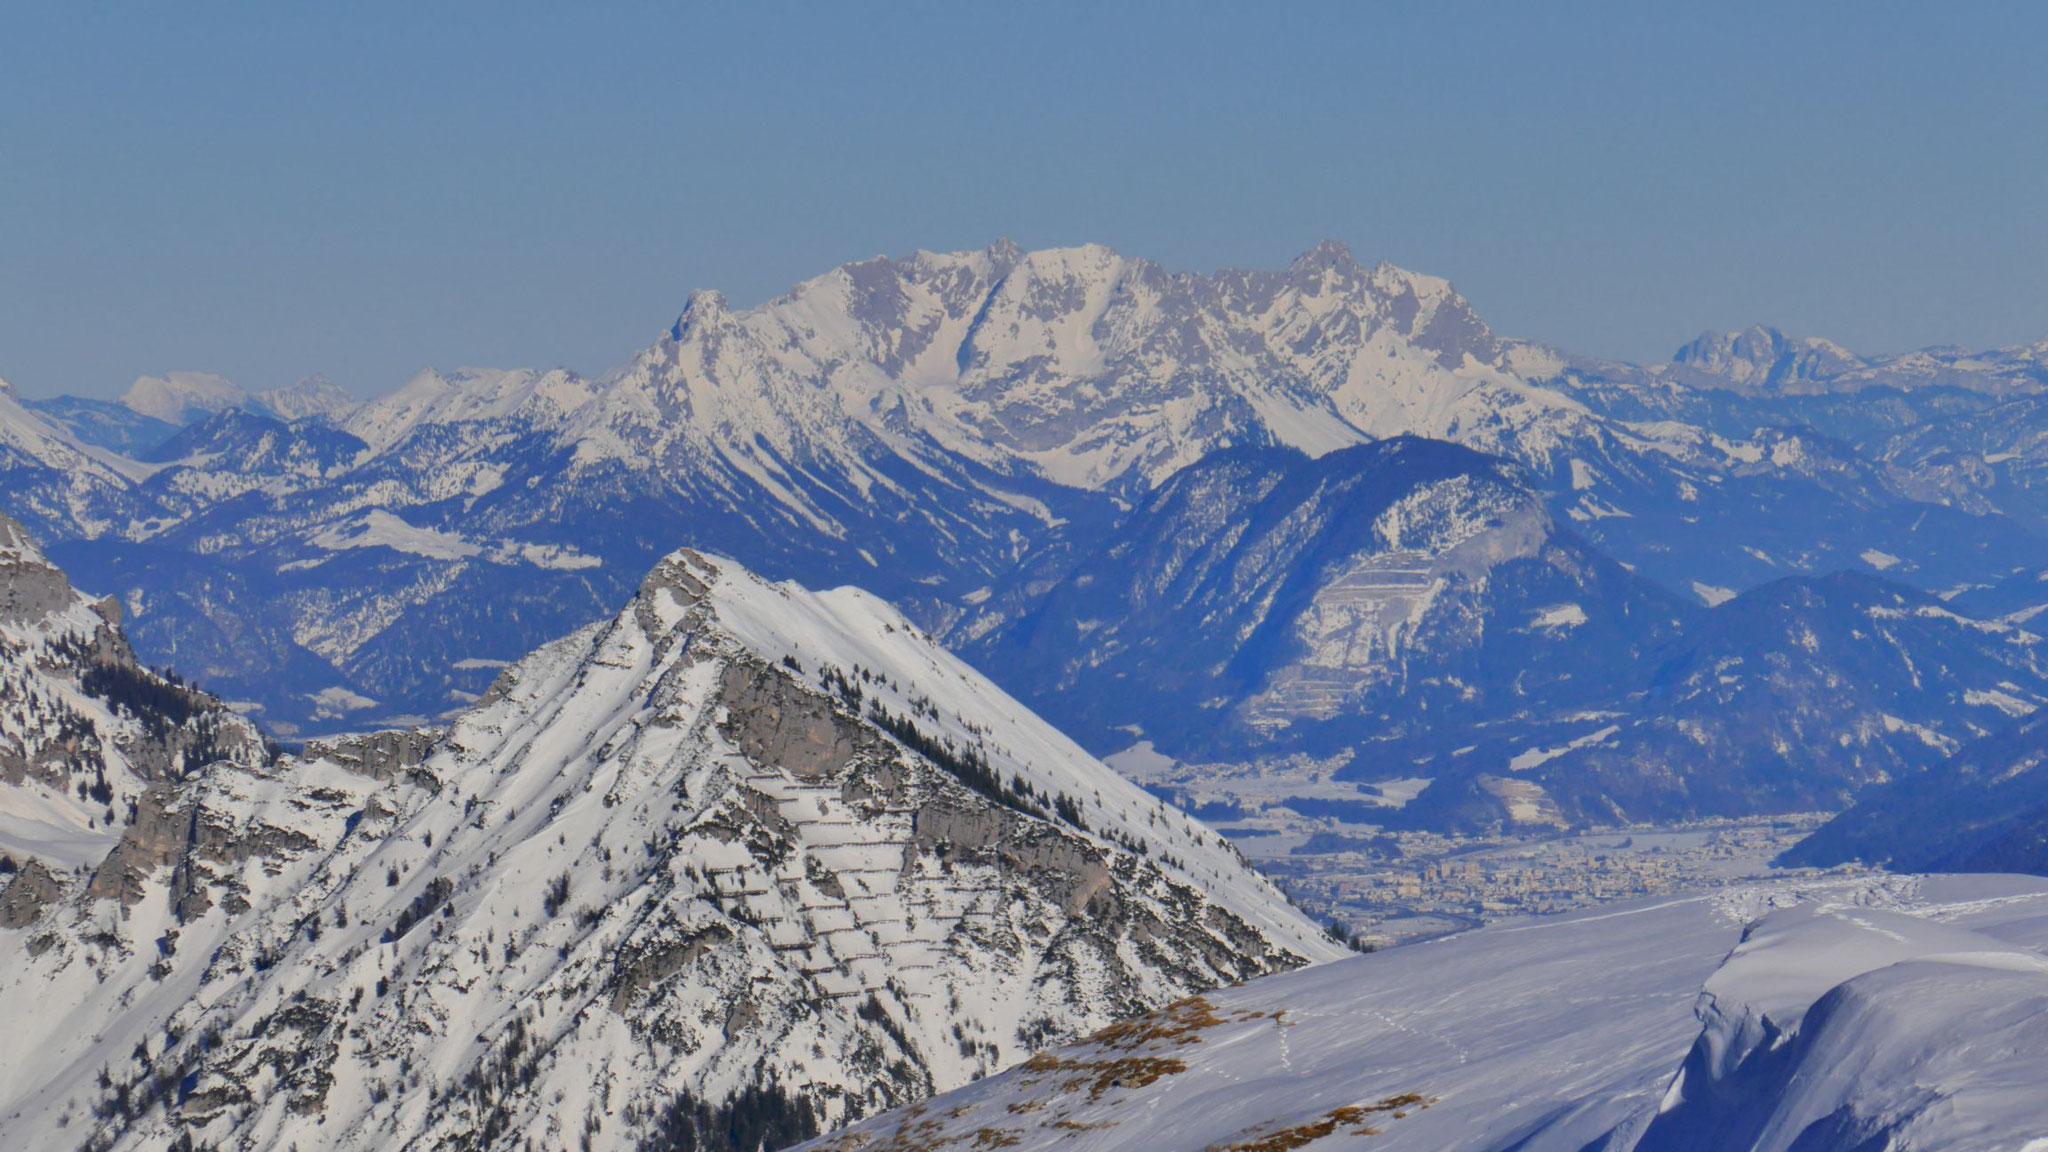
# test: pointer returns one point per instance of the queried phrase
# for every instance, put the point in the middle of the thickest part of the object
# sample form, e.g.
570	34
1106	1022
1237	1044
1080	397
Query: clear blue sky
278	189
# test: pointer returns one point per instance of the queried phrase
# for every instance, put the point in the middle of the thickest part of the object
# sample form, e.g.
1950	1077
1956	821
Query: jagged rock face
744	859
1765	359
85	730
1101	371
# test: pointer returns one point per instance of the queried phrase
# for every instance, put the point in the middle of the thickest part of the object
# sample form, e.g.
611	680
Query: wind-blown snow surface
671	870
1889	1012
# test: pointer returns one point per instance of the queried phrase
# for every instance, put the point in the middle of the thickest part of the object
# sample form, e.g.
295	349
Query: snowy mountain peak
86	733
468	394
183	397
742	850
1005	251
690	593
1763	358
705	306
312	396
1721	351
1089	368
1328	253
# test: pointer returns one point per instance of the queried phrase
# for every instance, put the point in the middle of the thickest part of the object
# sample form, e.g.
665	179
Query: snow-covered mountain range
600	843
1407	608
1831	1017
742	859
965	434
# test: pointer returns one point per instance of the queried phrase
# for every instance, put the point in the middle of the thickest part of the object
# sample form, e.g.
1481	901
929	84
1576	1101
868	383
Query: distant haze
273	191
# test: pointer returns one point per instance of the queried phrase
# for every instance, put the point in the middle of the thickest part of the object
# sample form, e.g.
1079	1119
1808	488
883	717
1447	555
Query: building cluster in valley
1403	886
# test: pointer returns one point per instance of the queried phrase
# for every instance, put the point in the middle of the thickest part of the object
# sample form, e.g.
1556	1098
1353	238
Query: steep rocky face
1766	360
742	864
86	733
1101	371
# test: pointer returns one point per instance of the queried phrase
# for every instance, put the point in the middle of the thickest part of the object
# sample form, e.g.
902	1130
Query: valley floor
1441	884
1312	835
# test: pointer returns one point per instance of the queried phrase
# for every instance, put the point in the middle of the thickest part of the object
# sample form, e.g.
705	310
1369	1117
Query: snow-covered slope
1830	1028
744	859
55	483
1894	1012
85	731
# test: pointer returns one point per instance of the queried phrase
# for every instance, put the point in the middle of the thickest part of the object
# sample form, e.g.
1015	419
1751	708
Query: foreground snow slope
1850	1013
744	859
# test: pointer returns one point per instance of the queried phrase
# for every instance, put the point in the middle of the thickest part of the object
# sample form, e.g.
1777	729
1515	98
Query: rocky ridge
743	863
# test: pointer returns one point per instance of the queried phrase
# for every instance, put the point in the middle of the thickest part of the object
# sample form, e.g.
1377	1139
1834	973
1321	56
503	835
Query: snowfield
1868	1013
